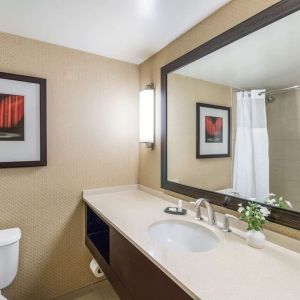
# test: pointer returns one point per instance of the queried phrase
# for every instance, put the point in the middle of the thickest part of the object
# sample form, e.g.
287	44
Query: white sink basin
183	235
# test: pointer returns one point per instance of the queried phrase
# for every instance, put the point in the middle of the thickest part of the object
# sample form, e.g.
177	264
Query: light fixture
147	116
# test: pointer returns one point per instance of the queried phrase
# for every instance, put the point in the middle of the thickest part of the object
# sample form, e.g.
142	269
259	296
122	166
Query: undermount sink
183	235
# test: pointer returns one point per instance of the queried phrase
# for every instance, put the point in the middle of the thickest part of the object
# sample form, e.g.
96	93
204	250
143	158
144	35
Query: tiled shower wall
284	134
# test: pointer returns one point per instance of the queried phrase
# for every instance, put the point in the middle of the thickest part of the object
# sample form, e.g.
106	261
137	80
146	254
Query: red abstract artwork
213	129
11	117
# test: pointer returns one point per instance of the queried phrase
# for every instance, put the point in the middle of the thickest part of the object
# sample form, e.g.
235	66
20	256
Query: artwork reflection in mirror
258	78
212	131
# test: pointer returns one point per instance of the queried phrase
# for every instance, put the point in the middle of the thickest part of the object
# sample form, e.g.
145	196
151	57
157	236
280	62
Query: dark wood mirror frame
280	10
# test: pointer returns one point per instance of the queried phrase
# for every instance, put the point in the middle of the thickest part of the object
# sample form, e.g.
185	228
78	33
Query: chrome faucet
225	227
210	211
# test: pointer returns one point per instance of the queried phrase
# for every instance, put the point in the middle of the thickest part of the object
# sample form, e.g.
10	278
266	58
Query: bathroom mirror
231	116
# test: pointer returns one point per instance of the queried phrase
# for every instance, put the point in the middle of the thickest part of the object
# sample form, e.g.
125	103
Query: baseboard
80	292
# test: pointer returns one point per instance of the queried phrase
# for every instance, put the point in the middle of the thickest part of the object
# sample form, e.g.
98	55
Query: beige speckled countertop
231	271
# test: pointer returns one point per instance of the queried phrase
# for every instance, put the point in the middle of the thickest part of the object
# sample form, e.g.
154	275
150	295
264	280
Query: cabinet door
143	279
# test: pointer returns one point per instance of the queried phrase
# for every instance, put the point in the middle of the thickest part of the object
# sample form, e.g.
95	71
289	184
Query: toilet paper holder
96	269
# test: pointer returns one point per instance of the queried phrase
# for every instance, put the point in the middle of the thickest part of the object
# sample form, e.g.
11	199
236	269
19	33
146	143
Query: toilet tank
9	255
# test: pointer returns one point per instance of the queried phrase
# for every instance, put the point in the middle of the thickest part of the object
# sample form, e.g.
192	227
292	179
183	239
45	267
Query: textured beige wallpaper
92	126
183	166
230	15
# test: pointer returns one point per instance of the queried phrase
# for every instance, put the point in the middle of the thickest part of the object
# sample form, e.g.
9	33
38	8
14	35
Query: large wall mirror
231	116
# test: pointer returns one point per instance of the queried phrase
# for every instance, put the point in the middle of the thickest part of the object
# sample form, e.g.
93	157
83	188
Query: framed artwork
213	131
23	132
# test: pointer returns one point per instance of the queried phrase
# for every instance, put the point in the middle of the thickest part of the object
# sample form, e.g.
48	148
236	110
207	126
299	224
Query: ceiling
128	30
267	58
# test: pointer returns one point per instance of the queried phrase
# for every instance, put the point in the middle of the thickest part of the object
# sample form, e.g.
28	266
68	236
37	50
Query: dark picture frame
270	15
215	129
42	146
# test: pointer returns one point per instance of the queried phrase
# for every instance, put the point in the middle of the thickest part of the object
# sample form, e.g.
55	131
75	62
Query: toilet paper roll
95	268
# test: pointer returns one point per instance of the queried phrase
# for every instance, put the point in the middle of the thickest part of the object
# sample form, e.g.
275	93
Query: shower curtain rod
295	87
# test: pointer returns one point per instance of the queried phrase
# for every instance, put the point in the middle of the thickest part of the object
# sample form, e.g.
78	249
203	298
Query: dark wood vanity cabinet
130	272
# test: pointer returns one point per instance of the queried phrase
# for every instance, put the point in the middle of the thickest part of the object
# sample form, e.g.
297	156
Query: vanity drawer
142	278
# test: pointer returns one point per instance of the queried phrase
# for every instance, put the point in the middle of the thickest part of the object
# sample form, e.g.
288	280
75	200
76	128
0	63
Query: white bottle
179	206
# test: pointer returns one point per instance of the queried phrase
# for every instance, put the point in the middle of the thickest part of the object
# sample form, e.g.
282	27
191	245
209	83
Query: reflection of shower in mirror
270	99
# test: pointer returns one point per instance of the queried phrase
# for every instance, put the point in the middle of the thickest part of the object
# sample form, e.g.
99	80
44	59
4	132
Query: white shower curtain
251	158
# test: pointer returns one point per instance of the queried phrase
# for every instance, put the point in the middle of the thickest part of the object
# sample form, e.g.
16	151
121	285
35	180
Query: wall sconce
147	116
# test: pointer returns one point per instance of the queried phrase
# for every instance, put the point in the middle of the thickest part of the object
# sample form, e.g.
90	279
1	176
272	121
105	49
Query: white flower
265	211
272	195
240	204
241	209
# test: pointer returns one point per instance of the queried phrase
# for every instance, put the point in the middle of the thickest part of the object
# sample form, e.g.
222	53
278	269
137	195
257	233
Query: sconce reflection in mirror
147	116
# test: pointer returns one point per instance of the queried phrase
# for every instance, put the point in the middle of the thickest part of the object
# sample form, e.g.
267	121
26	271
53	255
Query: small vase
256	239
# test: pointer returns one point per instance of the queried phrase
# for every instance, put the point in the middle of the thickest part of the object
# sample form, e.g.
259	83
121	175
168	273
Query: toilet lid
9	236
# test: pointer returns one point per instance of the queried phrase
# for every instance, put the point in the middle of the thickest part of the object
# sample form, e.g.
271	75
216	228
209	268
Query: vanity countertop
231	271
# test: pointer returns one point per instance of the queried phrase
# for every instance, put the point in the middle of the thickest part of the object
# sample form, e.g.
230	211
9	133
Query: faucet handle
225	227
198	209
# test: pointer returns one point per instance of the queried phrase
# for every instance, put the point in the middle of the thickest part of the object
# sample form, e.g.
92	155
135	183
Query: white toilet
9	256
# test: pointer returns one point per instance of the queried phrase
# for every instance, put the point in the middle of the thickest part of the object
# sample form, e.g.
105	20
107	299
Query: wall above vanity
252	70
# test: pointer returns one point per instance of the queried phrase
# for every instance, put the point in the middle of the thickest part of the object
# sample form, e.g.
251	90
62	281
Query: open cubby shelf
98	233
